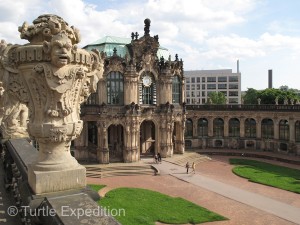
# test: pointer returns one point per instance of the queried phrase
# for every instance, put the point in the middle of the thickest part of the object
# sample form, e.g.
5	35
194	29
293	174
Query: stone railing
244	107
70	207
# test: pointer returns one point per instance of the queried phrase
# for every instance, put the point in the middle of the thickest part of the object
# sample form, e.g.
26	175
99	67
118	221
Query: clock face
147	81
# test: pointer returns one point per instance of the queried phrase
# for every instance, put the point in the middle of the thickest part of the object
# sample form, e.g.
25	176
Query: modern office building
200	83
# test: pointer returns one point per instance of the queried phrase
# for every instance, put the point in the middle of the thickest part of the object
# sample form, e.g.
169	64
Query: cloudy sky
206	34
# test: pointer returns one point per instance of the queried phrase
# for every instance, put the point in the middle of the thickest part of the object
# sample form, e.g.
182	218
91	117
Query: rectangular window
211	86
203	86
203	79
193	94
187	87
233	79
198	86
193	79
187	80
222	86
203	93
233	93
198	93
198	79
188	101
211	79
233	100
222	79
233	86
193	87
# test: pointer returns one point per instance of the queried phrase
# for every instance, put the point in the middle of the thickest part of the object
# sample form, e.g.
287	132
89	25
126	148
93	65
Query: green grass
145	207
96	187
268	174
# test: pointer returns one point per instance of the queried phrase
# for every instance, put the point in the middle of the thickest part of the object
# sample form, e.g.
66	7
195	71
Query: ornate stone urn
53	77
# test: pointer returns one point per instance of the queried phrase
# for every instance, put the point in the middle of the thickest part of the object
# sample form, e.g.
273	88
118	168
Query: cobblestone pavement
5	203
217	169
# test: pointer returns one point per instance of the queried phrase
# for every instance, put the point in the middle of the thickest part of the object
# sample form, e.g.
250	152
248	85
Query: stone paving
218	170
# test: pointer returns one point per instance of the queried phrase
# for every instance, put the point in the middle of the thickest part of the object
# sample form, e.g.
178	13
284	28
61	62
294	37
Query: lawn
268	174
141	206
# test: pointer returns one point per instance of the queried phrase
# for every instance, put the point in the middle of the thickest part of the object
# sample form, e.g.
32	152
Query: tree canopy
217	98
269	96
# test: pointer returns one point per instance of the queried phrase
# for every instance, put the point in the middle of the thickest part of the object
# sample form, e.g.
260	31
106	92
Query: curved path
216	188
280	209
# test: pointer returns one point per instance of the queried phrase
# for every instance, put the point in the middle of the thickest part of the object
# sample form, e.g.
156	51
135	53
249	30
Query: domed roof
108	43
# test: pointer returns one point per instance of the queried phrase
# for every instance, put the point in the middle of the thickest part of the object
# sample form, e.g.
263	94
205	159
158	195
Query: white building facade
200	83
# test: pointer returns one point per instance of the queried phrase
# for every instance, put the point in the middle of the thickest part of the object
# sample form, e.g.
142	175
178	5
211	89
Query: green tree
217	98
269	95
250	96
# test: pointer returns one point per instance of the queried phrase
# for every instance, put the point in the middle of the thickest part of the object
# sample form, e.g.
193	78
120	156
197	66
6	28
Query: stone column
242	127
132	130
258	128
103	150
292	129
131	88
276	129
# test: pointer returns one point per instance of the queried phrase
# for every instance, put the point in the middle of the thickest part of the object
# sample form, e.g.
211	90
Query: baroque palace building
273	128
138	108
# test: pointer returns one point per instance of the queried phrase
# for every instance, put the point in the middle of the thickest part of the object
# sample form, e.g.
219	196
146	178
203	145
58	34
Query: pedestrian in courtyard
159	157
187	166
155	158
194	167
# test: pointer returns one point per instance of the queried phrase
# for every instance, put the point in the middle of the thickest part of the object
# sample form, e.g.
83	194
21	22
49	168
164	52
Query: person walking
187	166
159	157
194	167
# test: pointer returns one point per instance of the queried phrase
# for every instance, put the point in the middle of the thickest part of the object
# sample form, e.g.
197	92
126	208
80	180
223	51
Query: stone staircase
188	157
100	171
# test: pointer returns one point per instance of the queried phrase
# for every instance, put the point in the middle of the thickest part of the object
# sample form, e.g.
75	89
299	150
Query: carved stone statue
258	101
56	77
276	101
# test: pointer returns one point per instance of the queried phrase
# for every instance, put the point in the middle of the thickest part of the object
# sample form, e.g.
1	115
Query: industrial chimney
270	84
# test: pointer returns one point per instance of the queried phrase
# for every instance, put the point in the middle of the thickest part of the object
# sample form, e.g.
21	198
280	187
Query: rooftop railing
244	107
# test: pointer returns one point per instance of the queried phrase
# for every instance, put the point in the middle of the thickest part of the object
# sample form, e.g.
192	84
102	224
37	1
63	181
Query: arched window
147	89
176	90
218	127
188	128
250	128
297	131
234	127
115	88
202	127
267	128
284	130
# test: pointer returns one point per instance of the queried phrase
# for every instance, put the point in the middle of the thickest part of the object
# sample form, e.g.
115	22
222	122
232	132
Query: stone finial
176	57
45	26
147	26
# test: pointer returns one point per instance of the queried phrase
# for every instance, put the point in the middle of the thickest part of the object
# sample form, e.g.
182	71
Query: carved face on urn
60	49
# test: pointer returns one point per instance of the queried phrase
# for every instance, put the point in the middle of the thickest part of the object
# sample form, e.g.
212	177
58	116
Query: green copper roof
108	43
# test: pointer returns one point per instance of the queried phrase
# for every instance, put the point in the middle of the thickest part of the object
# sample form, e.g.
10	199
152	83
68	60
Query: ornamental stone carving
52	76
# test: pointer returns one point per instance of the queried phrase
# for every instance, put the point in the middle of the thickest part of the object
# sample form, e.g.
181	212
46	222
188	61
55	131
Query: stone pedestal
53	181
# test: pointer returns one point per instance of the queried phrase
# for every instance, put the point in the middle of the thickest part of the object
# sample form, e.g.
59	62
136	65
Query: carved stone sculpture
55	77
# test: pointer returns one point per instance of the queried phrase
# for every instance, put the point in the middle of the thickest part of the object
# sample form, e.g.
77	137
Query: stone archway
115	135
147	138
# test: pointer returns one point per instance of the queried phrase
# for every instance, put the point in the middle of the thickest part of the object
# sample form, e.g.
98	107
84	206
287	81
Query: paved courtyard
216	188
